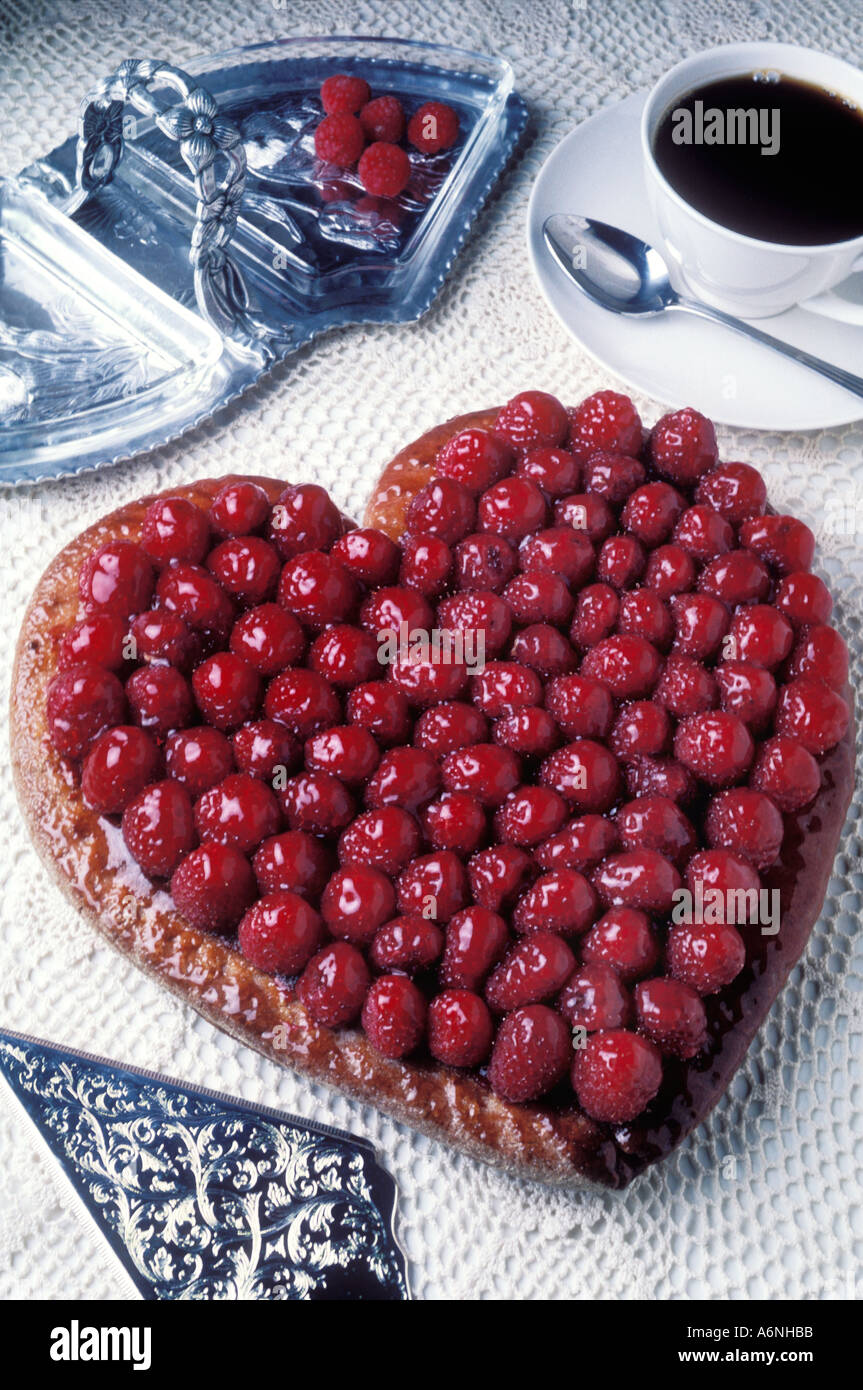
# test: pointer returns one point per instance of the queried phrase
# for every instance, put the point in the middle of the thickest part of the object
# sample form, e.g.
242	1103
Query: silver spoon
626	275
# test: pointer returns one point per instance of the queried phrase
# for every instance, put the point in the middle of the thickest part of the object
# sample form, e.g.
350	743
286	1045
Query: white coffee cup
737	273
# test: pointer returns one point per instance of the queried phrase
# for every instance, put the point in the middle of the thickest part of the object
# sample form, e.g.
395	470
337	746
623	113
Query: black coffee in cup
769	156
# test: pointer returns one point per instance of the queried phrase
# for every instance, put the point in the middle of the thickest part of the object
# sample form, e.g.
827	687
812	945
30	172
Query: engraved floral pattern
202	1197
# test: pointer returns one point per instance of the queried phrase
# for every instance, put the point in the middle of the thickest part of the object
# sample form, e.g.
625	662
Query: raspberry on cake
451	888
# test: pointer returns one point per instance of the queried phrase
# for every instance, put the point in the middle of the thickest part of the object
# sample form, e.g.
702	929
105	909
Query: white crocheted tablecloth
764	1200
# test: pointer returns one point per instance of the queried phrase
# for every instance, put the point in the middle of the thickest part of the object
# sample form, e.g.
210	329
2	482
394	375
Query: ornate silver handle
205	139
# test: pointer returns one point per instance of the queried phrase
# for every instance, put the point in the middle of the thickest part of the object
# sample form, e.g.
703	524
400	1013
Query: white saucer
679	359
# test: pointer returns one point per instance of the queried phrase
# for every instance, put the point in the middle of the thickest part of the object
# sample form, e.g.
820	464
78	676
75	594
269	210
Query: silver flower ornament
202	133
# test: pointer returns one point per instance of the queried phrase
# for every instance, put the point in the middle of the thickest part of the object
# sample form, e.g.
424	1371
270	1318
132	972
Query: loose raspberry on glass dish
384	169
340	139
344	92
383	118
433	127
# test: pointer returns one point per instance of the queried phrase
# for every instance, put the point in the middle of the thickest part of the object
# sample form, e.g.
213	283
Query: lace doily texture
764	1199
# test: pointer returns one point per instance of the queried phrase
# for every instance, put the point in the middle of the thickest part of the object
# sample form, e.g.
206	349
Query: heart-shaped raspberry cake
508	812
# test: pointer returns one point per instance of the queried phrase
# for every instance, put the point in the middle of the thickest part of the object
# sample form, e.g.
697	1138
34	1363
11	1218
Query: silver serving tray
155	265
